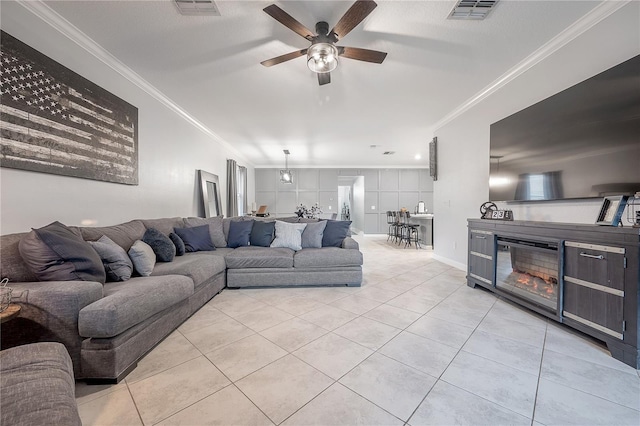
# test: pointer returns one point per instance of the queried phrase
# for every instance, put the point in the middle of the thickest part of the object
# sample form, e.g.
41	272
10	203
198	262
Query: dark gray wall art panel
55	121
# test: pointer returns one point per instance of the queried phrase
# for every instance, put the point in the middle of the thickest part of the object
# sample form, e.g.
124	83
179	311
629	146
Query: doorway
351	201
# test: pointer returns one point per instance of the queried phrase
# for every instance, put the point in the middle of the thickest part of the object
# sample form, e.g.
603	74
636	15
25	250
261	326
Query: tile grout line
439	378
535	399
134	402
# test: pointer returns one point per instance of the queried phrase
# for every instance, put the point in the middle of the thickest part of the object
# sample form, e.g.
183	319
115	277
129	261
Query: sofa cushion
218	236
37	386
164	225
161	245
127	304
197	266
260	257
239	233
57	253
115	260
124	234
262	233
178	243
312	234
326	257
335	232
142	257
196	238
288	235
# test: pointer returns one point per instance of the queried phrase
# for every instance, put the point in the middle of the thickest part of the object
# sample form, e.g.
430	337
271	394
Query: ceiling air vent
472	9
388	153
197	7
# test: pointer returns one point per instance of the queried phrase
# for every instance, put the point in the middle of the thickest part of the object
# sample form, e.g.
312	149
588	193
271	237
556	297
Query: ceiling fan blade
288	21
362	54
356	14
324	78
283	58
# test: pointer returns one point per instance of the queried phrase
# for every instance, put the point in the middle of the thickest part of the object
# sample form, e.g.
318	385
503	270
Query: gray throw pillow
312	235
116	262
289	235
161	245
56	253
143	258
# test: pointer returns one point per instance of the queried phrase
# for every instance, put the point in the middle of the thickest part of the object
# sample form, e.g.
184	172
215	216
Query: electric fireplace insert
529	270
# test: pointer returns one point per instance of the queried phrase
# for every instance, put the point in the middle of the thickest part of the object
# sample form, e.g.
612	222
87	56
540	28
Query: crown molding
593	17
352	166
73	33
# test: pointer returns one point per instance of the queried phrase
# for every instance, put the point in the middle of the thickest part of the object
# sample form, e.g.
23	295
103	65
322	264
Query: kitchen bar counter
425	220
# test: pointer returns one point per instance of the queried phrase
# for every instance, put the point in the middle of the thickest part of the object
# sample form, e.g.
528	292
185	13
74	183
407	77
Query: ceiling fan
322	55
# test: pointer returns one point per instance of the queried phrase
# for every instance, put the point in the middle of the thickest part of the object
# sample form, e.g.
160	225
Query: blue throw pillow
239	233
196	238
335	232
177	241
262	233
161	245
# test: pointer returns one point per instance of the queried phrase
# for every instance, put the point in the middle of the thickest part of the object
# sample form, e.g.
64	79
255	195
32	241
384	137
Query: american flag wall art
53	120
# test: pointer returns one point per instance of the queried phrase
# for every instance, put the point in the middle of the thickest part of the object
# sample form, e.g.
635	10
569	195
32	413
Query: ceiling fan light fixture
322	57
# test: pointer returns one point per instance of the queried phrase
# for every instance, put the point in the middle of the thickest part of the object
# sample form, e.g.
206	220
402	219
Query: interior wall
463	144
170	152
384	189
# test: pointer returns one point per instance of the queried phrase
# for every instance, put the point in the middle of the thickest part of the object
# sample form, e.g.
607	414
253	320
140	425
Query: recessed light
418	156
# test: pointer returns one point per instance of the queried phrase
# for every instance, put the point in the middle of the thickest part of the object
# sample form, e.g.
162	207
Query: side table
10	313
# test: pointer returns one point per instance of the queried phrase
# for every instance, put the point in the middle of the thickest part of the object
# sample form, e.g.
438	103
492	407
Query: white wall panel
389	201
409	179
389	179
307	179
266	179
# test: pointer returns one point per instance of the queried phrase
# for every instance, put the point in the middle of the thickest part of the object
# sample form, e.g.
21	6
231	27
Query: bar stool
392	223
412	232
401	228
397	228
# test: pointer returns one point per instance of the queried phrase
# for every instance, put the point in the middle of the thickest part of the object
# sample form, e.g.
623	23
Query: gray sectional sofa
108	328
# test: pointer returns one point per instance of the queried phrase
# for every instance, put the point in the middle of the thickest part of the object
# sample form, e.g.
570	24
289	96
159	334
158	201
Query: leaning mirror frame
210	189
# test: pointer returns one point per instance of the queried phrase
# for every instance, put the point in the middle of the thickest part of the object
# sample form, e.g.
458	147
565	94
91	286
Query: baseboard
447	261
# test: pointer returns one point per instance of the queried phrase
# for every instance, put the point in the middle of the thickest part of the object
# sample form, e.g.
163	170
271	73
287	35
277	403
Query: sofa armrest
62	299
49	312
350	243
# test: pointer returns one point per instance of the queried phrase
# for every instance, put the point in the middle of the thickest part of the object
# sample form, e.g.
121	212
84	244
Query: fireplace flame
546	287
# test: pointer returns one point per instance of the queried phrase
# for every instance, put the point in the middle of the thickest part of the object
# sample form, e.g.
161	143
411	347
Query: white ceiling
210	66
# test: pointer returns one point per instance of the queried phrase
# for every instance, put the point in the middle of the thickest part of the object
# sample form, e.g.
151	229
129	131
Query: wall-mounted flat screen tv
580	143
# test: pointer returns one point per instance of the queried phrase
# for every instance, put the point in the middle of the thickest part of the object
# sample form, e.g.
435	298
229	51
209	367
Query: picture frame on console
611	210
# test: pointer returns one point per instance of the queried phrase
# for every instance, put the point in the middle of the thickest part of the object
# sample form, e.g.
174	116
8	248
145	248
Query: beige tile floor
414	345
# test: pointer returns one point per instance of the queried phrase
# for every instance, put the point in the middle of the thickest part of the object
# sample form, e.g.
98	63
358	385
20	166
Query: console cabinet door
594	279
481	253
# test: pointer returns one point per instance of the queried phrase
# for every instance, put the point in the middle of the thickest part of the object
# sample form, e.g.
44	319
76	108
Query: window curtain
232	188
242	194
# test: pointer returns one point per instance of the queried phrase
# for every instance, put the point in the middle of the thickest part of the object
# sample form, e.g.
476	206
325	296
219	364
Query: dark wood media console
584	276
